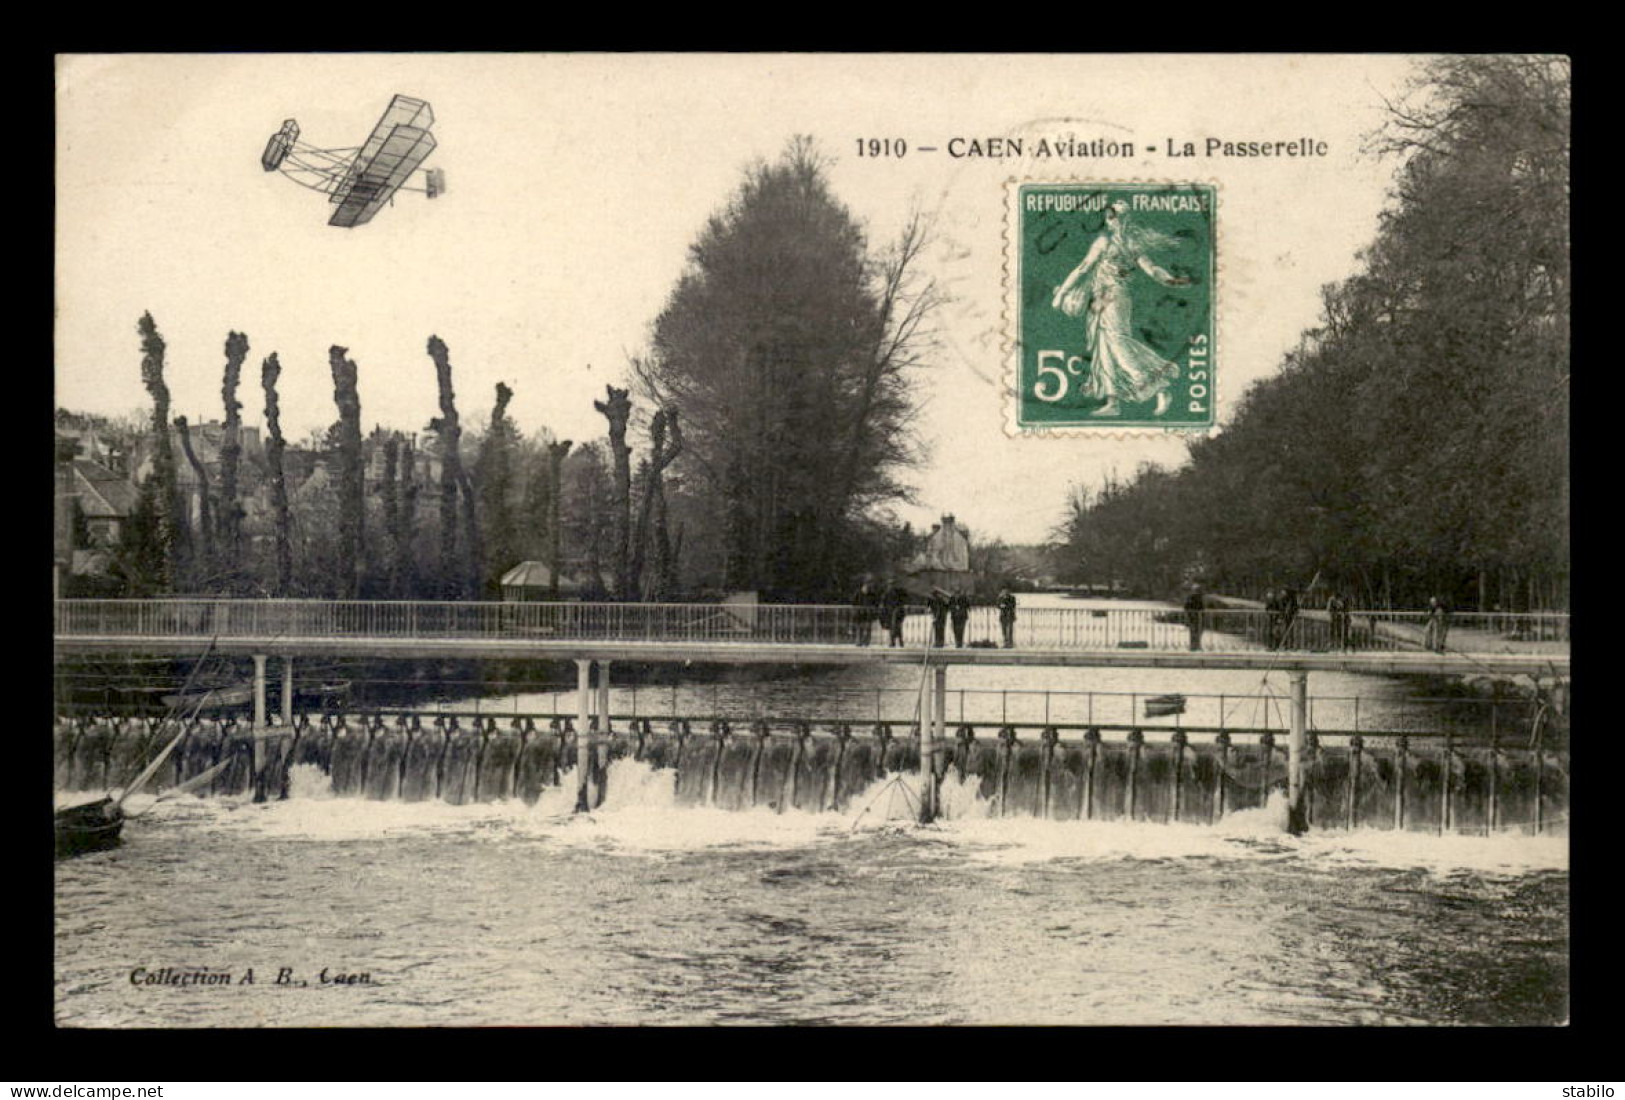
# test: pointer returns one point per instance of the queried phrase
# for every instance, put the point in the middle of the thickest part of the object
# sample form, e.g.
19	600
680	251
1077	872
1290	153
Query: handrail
1086	628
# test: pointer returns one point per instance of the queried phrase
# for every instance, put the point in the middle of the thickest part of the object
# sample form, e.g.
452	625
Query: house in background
944	561
106	498
532	581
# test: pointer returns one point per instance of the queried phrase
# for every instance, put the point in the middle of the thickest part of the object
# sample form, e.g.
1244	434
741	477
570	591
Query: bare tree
170	528
204	566
352	485
462	578
617	409
653	503
270	370
230	513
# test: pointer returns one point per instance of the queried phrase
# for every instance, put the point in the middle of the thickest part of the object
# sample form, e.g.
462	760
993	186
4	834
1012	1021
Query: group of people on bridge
1281	614
888	605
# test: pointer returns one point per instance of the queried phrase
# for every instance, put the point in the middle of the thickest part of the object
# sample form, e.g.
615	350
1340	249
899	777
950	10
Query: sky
576	184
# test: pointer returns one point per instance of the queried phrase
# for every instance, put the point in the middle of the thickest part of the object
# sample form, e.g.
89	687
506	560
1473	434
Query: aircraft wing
395	149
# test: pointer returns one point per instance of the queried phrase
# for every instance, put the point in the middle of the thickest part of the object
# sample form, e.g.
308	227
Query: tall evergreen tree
789	347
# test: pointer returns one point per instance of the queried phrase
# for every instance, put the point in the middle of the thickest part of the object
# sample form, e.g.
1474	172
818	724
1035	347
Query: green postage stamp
1111	294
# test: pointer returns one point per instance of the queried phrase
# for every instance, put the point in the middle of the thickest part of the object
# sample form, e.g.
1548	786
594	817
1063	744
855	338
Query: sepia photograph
773	539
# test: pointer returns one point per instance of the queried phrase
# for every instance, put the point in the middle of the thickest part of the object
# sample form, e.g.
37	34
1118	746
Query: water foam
641	814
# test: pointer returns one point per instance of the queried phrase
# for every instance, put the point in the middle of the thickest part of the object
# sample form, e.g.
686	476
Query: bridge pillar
583	734
1297	824
287	691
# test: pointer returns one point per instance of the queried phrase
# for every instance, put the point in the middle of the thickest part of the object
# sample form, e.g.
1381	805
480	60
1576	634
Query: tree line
761	450
1416	442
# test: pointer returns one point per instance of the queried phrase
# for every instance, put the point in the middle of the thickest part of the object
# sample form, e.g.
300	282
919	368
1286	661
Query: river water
647	912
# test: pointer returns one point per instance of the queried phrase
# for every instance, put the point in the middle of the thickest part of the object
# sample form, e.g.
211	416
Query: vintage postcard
835	540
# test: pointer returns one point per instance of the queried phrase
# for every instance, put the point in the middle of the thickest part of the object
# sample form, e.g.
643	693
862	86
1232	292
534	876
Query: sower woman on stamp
1121	368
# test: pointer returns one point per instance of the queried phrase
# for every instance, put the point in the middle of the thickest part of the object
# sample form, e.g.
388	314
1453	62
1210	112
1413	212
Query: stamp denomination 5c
1110	291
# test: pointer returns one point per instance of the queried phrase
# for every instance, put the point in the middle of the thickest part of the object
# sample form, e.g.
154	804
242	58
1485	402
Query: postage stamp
1110	292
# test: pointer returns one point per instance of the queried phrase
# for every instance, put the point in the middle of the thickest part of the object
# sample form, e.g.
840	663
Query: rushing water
645	912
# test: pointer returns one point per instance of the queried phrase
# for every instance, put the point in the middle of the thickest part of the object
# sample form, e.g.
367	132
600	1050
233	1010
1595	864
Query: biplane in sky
359	180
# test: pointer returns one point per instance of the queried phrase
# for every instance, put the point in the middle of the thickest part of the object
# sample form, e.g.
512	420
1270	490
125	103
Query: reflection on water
645	913
992	694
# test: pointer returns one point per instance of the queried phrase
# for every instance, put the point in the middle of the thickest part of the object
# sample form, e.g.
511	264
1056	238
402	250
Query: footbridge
595	636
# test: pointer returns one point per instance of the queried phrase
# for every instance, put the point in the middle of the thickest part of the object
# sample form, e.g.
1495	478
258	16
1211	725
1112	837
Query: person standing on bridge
1272	618
937	604
959	614
1438	625
1195	604
864	605
1289	614
1007	618
892	610
1337	609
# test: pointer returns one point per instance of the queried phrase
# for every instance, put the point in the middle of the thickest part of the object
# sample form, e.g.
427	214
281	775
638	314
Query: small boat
236	695
1159	706
88	827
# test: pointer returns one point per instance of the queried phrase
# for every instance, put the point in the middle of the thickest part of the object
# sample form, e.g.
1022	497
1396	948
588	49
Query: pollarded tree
617	409
787	345
168	528
351	479
229	513
270	371
459	575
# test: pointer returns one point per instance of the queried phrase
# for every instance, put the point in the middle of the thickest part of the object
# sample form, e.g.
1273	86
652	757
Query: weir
1048	776
1369	780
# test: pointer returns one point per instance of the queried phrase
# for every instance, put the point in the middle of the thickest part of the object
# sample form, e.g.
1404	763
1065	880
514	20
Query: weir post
259	727
939	736
605	744
1296	820
259	691
934	711
583	737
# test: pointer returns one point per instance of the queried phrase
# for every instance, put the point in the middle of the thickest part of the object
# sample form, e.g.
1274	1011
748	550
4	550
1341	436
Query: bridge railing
1166	629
